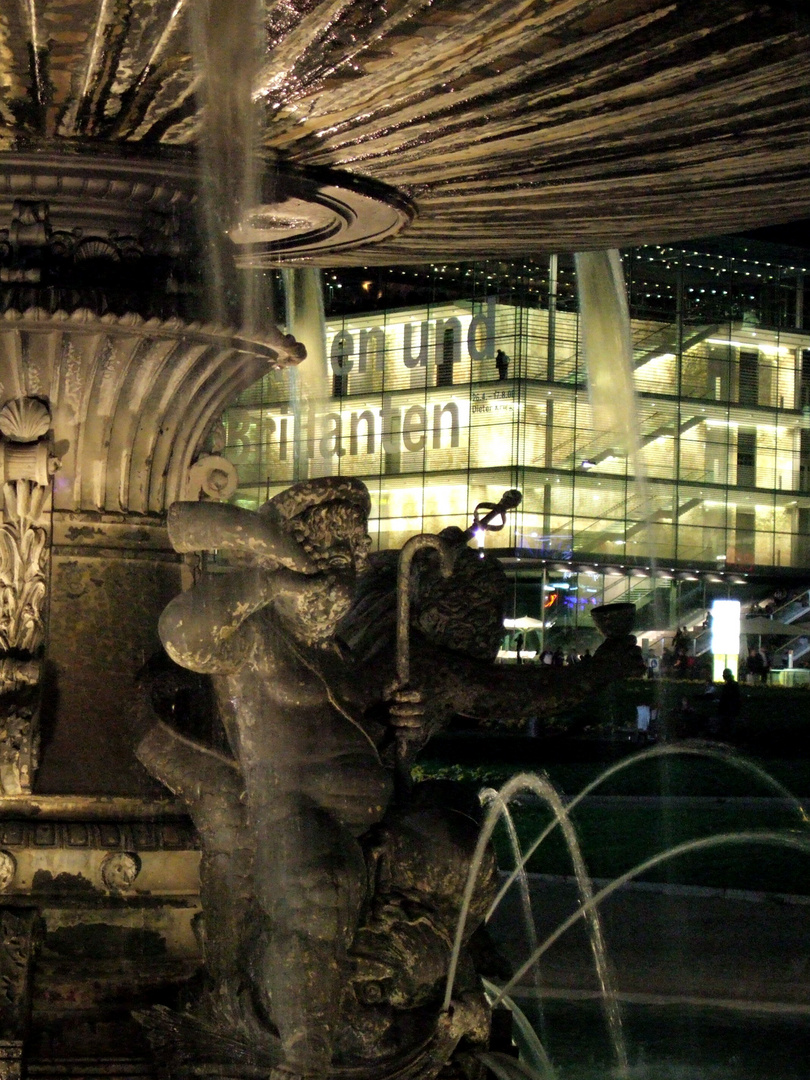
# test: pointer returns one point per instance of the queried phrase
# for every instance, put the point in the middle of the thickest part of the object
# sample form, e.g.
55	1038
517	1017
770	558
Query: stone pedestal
112	575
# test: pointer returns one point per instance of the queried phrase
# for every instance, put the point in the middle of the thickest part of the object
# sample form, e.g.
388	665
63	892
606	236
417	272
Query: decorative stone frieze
25	833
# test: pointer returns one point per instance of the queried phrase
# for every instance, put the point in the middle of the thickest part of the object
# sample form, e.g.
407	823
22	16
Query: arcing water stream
542	787
590	900
719	753
496	799
779	839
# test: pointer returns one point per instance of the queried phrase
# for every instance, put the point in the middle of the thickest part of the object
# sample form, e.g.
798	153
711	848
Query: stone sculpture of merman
330	899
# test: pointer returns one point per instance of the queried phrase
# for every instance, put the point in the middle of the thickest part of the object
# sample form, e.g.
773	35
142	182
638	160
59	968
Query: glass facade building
443	386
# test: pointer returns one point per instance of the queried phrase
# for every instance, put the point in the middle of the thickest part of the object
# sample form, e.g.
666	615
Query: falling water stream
227	46
606	341
542	787
607	345
309	383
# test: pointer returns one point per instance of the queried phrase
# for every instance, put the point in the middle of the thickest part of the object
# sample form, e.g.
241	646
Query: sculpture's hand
408	721
406	707
407	710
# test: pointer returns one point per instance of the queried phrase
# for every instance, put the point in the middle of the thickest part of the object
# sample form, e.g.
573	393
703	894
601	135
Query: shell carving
24	419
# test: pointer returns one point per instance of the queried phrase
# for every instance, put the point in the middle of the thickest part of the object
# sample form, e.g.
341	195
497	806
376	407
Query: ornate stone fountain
419	130
148	148
108	416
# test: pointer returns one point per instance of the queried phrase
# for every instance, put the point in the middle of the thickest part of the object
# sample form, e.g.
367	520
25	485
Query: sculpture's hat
299	498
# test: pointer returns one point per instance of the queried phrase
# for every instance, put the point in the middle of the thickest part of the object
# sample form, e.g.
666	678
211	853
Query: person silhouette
728	705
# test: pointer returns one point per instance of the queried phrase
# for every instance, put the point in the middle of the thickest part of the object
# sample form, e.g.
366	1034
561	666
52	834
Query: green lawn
614	839
675	774
616	836
773	737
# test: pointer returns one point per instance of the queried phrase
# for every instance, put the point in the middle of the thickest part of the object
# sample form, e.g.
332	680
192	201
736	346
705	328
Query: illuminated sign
363	431
726	627
725	637
439	338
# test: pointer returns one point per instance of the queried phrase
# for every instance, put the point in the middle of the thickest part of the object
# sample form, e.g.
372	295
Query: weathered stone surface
18	932
103	627
26	465
103	945
11	1059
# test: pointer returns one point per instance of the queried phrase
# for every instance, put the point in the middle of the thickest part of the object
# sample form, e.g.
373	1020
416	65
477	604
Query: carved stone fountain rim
316	211
82	172
280	349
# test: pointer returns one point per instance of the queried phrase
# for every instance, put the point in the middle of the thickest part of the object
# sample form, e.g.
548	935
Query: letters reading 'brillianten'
390	429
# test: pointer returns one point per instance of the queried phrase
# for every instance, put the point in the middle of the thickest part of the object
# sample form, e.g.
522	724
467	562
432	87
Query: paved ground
669	944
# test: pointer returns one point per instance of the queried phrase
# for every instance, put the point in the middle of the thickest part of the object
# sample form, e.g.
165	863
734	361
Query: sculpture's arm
206	629
200	628
489	692
203	629
202	526
187	767
208	783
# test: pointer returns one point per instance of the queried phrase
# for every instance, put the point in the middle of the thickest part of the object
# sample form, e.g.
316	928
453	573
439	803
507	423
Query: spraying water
589	901
533	1055
542	787
718	753
778	839
495	798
